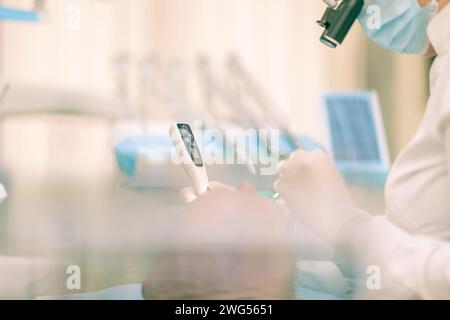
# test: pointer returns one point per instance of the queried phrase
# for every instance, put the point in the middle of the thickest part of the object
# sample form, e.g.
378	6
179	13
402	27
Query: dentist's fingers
286	167
281	168
281	186
188	194
292	171
298	159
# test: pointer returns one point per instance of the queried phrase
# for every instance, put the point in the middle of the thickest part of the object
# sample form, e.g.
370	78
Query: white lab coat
411	245
418	189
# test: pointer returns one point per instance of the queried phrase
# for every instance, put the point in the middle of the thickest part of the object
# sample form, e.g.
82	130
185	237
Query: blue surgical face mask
398	25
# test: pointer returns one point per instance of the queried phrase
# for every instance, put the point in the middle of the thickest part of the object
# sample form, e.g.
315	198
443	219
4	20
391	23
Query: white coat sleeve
417	265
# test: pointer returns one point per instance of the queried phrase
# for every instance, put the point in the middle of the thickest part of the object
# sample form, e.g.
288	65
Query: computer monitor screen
356	132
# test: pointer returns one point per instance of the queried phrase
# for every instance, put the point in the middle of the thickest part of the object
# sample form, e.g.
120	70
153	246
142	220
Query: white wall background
277	40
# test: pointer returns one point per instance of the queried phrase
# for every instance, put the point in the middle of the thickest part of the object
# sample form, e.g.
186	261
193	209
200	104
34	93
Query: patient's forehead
232	217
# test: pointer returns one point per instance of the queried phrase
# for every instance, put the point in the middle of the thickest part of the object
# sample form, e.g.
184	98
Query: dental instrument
189	156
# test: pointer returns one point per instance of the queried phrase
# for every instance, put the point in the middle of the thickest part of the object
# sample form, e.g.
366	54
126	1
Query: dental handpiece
189	156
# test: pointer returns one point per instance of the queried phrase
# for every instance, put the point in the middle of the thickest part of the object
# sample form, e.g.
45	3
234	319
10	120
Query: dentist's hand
315	193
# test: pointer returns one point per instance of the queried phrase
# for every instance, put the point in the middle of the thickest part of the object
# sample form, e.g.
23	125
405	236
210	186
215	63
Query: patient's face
229	245
228	217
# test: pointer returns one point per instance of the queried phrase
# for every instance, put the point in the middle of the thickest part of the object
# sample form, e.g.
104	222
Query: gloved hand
315	193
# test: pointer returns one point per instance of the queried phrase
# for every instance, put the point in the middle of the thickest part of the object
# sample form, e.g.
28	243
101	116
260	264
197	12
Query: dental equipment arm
33	98
213	90
270	113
